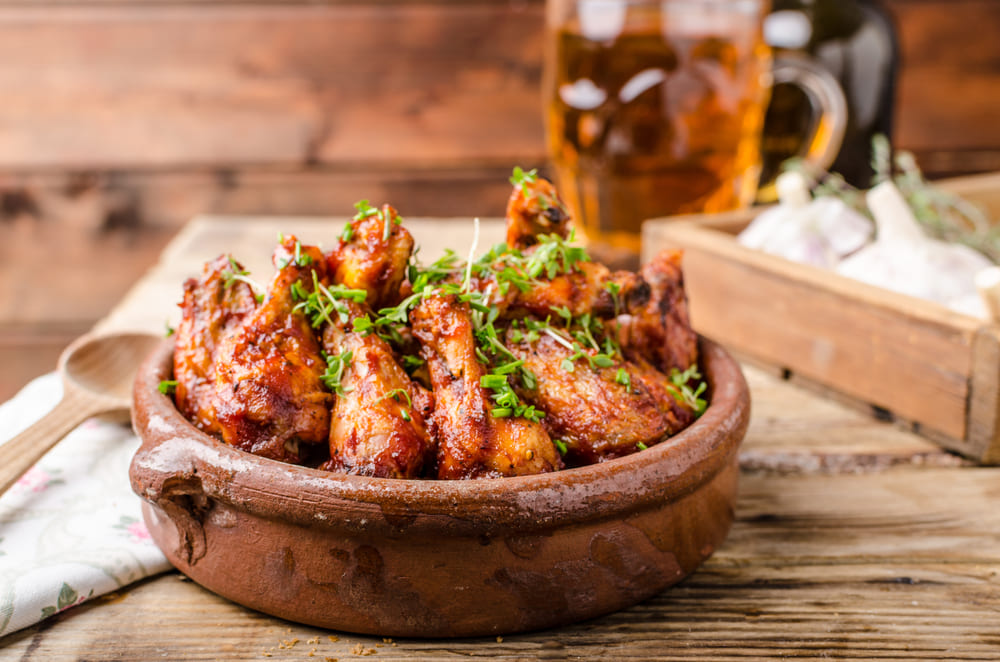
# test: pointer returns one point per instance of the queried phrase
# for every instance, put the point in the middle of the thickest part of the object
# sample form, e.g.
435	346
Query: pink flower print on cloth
36	480
70	528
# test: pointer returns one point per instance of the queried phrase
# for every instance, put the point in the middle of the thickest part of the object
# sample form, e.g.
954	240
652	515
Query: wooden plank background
120	120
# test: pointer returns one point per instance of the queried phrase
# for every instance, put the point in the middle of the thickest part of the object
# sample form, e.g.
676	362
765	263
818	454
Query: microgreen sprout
680	388
622	377
336	365
615	290
234	273
323	300
520	177
299	259
347	234
394	394
364	210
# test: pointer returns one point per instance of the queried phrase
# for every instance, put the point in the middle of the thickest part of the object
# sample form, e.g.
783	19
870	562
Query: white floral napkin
70	528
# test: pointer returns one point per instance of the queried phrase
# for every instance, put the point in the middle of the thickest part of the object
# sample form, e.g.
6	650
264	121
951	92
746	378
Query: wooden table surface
853	538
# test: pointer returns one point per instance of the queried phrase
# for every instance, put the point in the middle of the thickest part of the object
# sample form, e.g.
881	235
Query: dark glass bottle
854	40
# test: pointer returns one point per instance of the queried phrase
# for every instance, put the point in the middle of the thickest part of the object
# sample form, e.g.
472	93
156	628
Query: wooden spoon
97	374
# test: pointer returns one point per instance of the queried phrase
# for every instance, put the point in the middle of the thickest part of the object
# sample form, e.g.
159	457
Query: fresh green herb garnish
168	330
615	290
235	273
519	177
680	388
347	233
323	300
299	258
167	386
560	446
394	394
641	446
336	365
623	378
364	210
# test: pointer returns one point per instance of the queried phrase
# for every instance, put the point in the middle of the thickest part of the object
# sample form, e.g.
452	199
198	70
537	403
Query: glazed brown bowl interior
438	558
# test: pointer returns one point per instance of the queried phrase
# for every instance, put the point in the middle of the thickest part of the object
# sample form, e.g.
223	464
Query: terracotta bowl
438	558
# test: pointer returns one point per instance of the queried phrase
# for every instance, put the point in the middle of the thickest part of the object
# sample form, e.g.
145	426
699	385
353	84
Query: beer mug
656	107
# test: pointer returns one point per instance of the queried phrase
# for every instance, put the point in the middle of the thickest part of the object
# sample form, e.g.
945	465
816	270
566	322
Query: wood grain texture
908	356
317	84
876	566
950	65
269	83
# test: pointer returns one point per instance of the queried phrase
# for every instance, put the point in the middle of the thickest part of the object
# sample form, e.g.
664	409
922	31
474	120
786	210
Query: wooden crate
911	359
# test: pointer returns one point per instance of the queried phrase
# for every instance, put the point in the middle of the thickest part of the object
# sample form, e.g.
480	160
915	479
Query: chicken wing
472	442
270	399
213	306
598	413
660	329
372	255
534	208
378	425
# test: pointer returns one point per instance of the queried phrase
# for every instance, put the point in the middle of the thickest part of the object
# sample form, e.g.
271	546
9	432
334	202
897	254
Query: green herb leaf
519	177
336	365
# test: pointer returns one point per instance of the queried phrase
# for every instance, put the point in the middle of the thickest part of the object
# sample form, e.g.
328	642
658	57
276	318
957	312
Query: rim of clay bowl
178	461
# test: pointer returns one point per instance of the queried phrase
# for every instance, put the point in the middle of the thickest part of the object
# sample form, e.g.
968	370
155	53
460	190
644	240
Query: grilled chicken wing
590	411
589	288
534	208
660	330
472	443
270	398
373	257
213	306
378	425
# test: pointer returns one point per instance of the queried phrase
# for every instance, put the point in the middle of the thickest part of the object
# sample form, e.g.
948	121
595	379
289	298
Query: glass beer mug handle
829	106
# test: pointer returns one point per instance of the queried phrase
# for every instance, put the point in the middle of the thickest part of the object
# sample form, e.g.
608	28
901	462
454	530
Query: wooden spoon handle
20	453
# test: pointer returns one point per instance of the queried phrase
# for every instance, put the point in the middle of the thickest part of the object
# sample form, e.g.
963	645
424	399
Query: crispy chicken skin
472	443
660	330
534	208
270	399
378	426
371	261
596	417
588	289
213	306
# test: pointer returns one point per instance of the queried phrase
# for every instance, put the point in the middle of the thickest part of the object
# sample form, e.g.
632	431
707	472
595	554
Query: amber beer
653	108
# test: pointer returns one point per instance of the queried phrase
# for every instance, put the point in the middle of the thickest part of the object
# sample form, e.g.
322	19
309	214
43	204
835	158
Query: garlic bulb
903	259
817	232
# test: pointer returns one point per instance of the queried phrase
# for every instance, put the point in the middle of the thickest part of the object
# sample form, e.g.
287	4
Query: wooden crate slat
916	359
